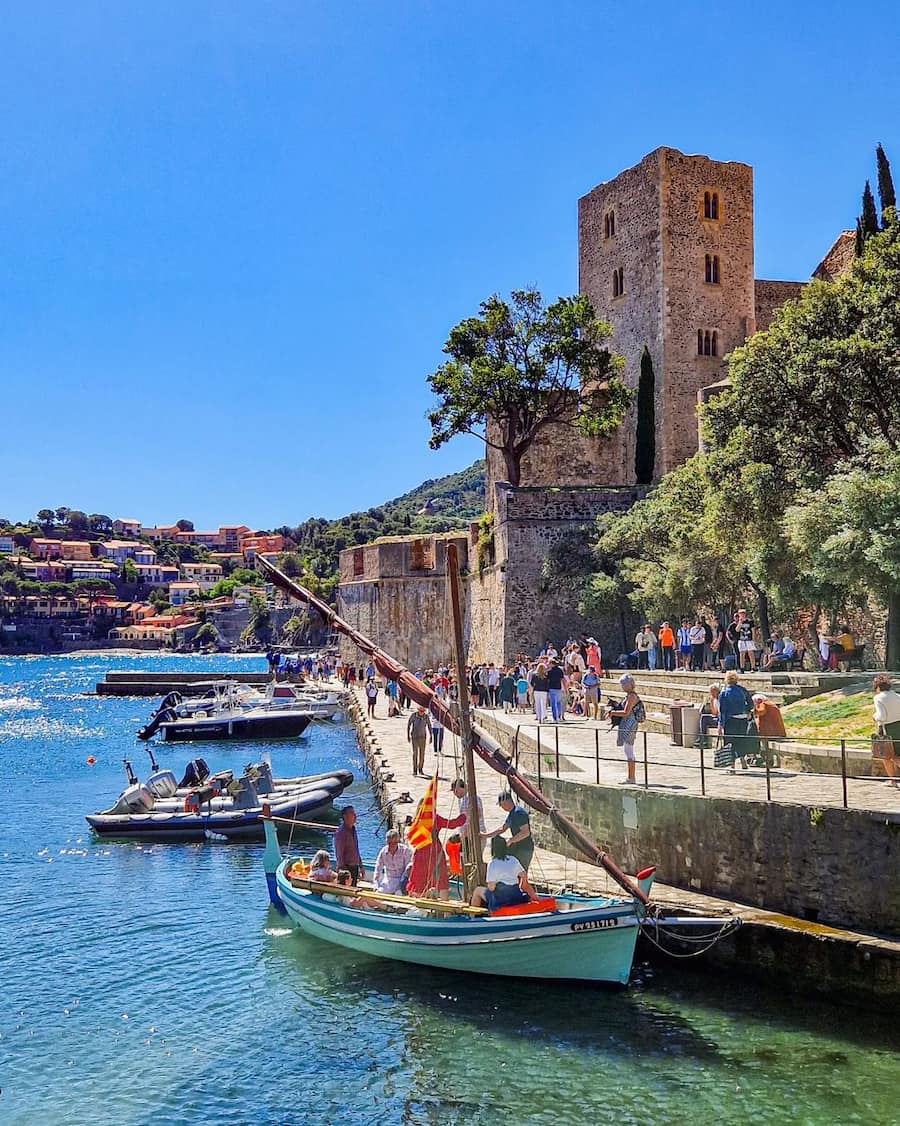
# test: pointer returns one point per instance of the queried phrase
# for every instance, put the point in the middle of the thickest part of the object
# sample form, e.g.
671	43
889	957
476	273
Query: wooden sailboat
571	937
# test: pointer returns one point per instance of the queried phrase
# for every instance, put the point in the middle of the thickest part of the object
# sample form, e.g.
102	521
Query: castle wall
396	594
839	258
529	524
770	296
635	247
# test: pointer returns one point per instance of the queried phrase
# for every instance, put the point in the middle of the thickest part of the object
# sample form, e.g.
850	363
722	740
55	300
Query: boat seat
530	908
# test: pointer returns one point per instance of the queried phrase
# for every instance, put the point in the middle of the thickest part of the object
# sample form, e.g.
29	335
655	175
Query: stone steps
660	696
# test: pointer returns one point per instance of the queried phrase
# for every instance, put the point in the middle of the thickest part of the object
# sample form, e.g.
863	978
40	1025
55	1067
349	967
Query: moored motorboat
227	710
160	809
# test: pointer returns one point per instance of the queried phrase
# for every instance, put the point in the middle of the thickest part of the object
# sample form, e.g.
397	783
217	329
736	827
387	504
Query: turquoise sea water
155	985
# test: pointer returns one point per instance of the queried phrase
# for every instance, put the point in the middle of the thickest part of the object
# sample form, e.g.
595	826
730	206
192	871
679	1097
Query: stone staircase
659	690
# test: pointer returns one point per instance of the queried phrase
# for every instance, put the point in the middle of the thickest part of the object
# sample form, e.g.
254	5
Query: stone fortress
665	252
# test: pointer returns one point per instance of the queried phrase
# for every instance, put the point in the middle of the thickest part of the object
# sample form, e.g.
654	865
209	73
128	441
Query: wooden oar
450	906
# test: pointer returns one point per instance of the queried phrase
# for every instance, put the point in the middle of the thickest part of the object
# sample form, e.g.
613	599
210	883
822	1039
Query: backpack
639	711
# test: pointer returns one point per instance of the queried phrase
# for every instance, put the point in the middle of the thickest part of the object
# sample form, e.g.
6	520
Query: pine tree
645	437
860	241
869	217
886	193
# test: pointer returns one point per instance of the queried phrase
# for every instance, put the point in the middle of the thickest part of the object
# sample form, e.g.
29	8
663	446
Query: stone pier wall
830	866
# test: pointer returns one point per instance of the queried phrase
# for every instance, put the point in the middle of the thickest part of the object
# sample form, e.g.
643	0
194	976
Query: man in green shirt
521	843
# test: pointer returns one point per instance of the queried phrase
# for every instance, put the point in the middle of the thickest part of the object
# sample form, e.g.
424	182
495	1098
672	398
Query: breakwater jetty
699	842
159	683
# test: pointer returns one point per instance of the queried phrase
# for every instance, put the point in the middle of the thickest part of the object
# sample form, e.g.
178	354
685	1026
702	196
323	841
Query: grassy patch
845	714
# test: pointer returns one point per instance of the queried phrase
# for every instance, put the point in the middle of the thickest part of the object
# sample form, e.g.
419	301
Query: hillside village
69	580
145	586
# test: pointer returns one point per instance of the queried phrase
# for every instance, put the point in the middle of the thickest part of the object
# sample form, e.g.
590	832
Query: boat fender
191	804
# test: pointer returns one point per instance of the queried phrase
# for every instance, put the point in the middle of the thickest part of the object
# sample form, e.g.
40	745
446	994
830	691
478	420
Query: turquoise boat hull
586	940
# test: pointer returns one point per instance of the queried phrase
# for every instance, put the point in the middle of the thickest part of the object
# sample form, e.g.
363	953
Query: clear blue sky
233	236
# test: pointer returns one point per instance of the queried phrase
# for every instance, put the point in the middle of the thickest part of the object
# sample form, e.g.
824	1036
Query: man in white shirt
458	788
391	863
644	642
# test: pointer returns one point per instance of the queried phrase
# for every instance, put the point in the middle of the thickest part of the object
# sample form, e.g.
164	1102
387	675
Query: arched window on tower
612	224
710	205
712	269
618	282
715	344
621	273
699	341
707	344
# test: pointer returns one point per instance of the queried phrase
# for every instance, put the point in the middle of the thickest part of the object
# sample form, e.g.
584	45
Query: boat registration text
595	924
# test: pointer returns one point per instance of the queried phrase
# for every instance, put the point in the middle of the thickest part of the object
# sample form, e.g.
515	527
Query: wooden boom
448	906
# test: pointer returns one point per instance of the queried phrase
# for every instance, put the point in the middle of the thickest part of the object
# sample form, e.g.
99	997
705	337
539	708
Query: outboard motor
162	784
244	793
162	715
134	799
196	772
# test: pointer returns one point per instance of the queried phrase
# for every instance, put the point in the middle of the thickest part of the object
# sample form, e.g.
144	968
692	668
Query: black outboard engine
196	772
165	713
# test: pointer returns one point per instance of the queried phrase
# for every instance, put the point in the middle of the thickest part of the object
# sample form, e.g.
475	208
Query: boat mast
473	864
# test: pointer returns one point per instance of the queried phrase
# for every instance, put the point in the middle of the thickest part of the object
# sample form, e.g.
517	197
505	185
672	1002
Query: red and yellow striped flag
419	832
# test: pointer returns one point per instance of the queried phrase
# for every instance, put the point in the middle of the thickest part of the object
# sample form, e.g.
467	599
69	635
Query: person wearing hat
521	843
594	657
417	731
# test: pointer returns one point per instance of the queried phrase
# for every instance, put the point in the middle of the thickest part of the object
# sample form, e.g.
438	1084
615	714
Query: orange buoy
91	760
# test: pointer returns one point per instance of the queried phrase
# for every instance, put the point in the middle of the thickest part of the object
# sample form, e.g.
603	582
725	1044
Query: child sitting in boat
506	879
345	880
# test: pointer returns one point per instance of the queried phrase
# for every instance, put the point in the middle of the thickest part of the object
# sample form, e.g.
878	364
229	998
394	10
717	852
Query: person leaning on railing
887	720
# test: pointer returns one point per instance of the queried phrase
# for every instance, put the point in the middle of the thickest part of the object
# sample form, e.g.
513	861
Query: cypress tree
885	183
860	241
869	217
645	437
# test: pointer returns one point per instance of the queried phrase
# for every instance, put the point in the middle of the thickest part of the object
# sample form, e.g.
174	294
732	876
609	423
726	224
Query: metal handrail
575	754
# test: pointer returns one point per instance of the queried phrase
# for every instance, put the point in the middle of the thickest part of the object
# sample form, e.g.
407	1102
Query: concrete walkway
669	768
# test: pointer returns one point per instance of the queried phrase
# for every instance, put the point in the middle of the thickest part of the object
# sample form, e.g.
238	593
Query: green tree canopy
519	366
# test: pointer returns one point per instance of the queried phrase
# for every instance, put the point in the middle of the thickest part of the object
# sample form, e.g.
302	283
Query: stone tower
665	252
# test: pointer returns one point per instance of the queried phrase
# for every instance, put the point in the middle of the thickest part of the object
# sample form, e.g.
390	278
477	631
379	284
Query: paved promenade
585	743
861	968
